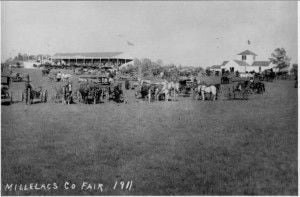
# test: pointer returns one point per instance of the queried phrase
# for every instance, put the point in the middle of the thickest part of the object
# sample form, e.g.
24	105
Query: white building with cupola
246	62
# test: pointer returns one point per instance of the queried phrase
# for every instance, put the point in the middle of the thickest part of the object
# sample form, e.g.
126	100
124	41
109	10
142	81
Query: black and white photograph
149	98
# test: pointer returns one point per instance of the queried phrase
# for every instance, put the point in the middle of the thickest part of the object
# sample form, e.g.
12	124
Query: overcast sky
187	33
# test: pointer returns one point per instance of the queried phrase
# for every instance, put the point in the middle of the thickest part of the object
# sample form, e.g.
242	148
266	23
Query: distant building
91	58
246	63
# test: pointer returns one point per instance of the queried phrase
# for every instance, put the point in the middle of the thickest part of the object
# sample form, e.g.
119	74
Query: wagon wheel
75	96
11	97
95	99
45	96
28	97
42	96
107	95
23	96
79	97
101	97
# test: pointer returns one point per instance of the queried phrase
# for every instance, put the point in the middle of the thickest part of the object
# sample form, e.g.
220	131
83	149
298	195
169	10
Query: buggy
94	89
185	86
237	90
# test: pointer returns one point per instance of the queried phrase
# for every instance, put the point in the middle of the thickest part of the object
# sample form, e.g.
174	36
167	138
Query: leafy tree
280	58
294	70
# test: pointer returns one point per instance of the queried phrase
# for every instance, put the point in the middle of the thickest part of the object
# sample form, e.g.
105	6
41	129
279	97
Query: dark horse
258	87
45	72
90	93
84	92
118	94
143	90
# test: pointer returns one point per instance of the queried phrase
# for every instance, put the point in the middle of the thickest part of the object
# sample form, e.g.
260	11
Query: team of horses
151	91
169	90
155	91
90	92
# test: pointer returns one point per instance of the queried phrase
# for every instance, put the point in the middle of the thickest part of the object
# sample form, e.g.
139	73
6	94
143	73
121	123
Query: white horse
207	89
175	87
161	88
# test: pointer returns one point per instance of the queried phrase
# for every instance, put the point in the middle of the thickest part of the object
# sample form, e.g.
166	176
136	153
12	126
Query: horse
84	92
165	88
143	89
258	87
118	94
95	94
173	86
67	94
35	93
207	89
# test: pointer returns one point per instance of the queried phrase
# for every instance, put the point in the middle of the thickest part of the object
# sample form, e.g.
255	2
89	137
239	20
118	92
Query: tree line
147	68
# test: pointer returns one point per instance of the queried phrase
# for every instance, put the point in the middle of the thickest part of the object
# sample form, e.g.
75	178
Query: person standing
28	89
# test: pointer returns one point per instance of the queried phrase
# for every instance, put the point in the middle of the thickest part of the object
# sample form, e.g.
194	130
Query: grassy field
166	148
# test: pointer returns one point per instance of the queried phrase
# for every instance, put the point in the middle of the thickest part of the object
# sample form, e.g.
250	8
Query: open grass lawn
184	148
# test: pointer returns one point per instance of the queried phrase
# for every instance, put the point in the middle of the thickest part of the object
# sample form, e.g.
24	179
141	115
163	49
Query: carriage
185	86
268	75
16	77
6	96
237	90
32	96
99	89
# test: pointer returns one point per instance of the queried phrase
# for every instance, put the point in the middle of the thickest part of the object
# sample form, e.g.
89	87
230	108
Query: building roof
261	63
215	67
247	52
241	63
86	55
225	62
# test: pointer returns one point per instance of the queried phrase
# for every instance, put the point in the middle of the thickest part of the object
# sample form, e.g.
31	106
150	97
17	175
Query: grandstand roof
87	55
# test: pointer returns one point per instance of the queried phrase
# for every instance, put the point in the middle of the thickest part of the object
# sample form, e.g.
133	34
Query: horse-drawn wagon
157	90
185	86
37	95
237	90
16	77
268	75
99	89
